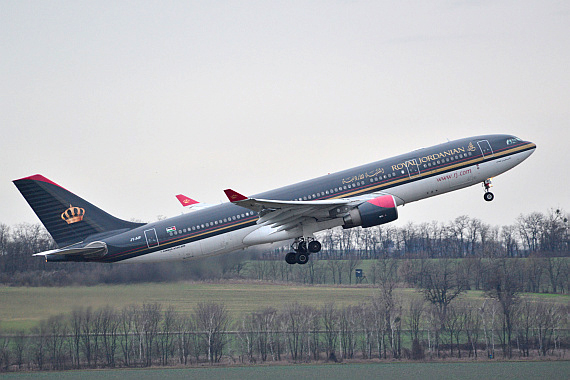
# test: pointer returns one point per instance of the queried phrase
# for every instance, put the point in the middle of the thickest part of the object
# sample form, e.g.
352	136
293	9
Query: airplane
366	196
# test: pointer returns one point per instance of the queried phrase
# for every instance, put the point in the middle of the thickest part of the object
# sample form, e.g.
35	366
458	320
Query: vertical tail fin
68	218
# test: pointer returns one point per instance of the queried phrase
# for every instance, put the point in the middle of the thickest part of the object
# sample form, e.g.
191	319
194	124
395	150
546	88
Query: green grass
23	307
385	371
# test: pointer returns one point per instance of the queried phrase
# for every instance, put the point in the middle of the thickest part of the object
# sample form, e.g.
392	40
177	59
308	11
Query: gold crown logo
73	214
471	148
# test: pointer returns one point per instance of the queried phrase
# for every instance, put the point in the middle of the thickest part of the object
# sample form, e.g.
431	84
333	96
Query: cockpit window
513	140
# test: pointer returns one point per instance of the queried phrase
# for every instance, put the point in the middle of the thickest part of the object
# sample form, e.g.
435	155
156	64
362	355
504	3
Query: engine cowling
374	212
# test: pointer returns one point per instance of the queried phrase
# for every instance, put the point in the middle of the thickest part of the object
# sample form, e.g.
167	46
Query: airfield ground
385	371
21	308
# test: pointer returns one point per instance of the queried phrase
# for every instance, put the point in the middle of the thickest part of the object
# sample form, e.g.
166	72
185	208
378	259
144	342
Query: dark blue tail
68	218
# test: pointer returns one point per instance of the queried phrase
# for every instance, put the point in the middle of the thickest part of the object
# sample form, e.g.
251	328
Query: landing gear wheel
302	258
291	258
488	196
314	246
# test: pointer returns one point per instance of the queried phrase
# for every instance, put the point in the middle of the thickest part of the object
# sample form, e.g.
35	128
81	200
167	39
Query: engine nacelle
372	213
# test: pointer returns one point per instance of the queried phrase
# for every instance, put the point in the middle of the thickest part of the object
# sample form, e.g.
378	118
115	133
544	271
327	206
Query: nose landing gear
488	196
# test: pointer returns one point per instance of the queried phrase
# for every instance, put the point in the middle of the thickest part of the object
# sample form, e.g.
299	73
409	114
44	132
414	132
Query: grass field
386	371
24	307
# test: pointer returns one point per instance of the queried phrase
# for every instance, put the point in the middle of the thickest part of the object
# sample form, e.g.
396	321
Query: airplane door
485	148
413	168
151	239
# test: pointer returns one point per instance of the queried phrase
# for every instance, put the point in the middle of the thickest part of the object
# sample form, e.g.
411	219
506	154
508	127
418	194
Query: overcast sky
128	103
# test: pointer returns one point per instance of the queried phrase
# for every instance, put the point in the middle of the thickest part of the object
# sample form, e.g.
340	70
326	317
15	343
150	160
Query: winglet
234	196
185	200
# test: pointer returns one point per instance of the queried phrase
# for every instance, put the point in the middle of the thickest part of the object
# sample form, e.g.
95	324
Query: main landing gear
303	247
488	196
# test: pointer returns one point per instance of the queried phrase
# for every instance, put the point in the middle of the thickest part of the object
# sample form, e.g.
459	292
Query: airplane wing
285	215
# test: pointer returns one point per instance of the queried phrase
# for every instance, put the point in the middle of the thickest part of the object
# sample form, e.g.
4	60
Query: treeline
538	240
533	275
531	235
382	328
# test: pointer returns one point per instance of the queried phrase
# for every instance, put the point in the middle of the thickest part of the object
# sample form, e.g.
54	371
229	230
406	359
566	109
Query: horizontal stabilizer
91	250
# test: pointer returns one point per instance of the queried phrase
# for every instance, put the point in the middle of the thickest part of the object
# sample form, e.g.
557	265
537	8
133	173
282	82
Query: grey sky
129	103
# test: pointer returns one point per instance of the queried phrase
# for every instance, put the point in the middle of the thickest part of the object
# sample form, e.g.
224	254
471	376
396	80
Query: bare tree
547	319
38	345
441	285
295	324
4	235
530	229
454	324
414	319
556	269
459	230
347	331
504	286
329	316
5	343
56	331
508	236
472	324
109	333
20	343
127	328
473	227
166	338
554	231
534	269
147	322
212	320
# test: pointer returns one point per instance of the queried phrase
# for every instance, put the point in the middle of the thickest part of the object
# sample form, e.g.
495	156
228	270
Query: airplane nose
531	145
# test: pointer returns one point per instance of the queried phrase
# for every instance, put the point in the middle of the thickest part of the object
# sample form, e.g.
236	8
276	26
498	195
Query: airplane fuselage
409	177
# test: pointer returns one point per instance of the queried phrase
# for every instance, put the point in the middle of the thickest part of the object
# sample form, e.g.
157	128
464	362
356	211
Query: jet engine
374	212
